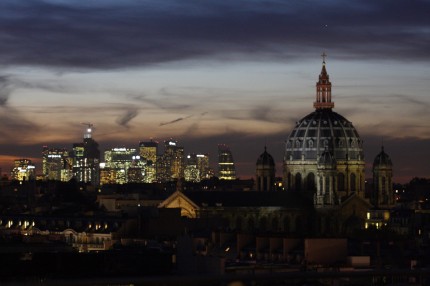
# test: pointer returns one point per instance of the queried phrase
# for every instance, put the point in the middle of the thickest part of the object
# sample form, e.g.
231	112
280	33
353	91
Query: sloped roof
249	199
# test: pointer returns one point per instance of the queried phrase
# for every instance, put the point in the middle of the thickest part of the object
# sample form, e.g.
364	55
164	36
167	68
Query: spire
323	97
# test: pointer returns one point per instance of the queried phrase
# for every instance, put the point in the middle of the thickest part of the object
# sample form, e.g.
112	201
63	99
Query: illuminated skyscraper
55	164
148	151
203	165
171	165
137	170
23	170
191	172
86	159
119	160
226	168
197	167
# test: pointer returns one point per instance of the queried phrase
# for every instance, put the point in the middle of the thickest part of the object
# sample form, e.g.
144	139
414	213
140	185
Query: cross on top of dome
323	96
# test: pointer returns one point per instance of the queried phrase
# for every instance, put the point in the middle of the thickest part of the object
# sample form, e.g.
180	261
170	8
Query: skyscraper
23	170
86	159
171	165
55	164
137	170
148	151
119	161
191	171
197	167
226	168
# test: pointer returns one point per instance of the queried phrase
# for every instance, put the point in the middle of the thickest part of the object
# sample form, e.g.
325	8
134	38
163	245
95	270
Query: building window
298	182
311	182
340	182
352	182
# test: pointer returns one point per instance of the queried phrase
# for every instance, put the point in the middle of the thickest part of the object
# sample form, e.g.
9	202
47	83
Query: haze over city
234	72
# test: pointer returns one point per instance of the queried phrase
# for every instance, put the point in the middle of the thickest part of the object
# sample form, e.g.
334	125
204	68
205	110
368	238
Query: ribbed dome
382	159
265	159
323	130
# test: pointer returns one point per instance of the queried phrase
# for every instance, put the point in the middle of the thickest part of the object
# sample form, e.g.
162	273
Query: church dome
265	159
382	159
320	130
324	130
324	154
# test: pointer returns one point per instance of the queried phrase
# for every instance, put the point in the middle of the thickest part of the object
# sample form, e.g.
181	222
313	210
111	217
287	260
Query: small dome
265	159
382	159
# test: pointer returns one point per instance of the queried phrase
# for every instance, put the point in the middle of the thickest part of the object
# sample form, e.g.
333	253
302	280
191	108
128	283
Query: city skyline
237	73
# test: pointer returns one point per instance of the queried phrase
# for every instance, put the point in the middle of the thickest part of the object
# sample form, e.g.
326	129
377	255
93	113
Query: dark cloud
5	90
127	117
131	33
163	103
15	125
176	120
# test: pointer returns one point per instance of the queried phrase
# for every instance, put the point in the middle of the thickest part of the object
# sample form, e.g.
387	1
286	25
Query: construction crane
89	129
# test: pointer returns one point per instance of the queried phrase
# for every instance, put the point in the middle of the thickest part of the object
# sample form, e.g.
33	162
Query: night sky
209	72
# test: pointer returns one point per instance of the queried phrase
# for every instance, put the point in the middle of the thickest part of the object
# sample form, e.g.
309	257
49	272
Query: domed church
324	153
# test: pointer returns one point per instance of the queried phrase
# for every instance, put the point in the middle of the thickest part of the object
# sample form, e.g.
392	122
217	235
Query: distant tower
148	150
191	171
382	195
86	159
197	167
171	164
55	164
265	172
23	170
119	160
226	168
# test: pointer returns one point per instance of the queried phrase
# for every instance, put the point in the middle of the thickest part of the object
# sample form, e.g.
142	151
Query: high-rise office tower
226	168
197	167
191	171
119	161
86	159
148	151
23	170
55	164
137	170
171	165
203	165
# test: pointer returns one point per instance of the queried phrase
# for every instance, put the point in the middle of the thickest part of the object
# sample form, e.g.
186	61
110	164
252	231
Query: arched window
297	144
352	182
238	223
299	225
289	179
311	144
251	224
263	224
340	182
287	226
275	224
298	182
310	182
